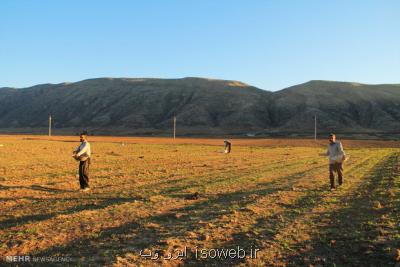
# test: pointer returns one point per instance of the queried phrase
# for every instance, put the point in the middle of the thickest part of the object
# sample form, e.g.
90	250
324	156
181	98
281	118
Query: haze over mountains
202	107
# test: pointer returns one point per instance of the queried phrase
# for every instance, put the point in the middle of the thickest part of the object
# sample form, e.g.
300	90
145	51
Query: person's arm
75	151
341	151
325	154
83	150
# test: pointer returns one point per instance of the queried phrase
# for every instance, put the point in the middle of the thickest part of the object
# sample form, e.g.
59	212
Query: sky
267	44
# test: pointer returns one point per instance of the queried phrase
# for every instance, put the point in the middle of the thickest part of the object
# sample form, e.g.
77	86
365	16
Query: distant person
336	156
227	147
82	154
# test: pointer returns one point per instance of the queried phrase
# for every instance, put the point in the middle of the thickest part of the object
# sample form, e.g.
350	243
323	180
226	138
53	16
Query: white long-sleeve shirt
84	149
335	152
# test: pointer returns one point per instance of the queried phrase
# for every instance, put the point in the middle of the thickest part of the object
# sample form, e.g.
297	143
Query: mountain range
128	106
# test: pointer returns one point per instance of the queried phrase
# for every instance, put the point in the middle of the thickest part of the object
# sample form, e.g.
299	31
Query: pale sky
268	44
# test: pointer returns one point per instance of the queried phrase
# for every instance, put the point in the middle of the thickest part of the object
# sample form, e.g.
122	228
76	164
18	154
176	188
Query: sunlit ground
270	200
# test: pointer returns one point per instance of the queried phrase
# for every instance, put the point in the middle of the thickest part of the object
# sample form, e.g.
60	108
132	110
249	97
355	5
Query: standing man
336	156
82	154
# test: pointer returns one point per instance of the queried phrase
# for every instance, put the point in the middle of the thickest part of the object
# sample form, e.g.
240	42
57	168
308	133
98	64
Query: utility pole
315	128
174	127
50	125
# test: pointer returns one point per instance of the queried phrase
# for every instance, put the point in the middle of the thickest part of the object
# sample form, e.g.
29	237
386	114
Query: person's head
83	136
332	138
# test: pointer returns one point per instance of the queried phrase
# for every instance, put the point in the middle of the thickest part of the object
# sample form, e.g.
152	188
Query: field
269	198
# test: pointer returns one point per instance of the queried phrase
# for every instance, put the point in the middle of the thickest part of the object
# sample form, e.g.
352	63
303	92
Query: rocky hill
202	106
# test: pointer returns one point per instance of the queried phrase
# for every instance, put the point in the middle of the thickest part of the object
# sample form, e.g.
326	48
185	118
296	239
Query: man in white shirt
82	154
336	156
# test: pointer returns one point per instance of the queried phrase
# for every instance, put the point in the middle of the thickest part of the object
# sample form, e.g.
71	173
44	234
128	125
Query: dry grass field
269	196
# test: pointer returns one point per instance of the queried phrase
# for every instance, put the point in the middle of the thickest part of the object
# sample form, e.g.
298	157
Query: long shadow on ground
264	230
101	202
135	236
363	232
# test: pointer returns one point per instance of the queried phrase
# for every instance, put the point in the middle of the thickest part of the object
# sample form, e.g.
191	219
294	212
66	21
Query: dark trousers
84	173
335	167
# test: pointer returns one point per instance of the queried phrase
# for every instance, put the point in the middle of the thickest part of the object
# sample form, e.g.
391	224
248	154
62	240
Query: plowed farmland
156	201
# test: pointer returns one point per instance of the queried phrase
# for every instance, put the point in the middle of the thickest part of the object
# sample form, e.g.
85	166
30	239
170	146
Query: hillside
349	107
202	106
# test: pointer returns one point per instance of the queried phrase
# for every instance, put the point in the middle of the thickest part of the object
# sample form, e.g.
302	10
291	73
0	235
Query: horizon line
195	77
